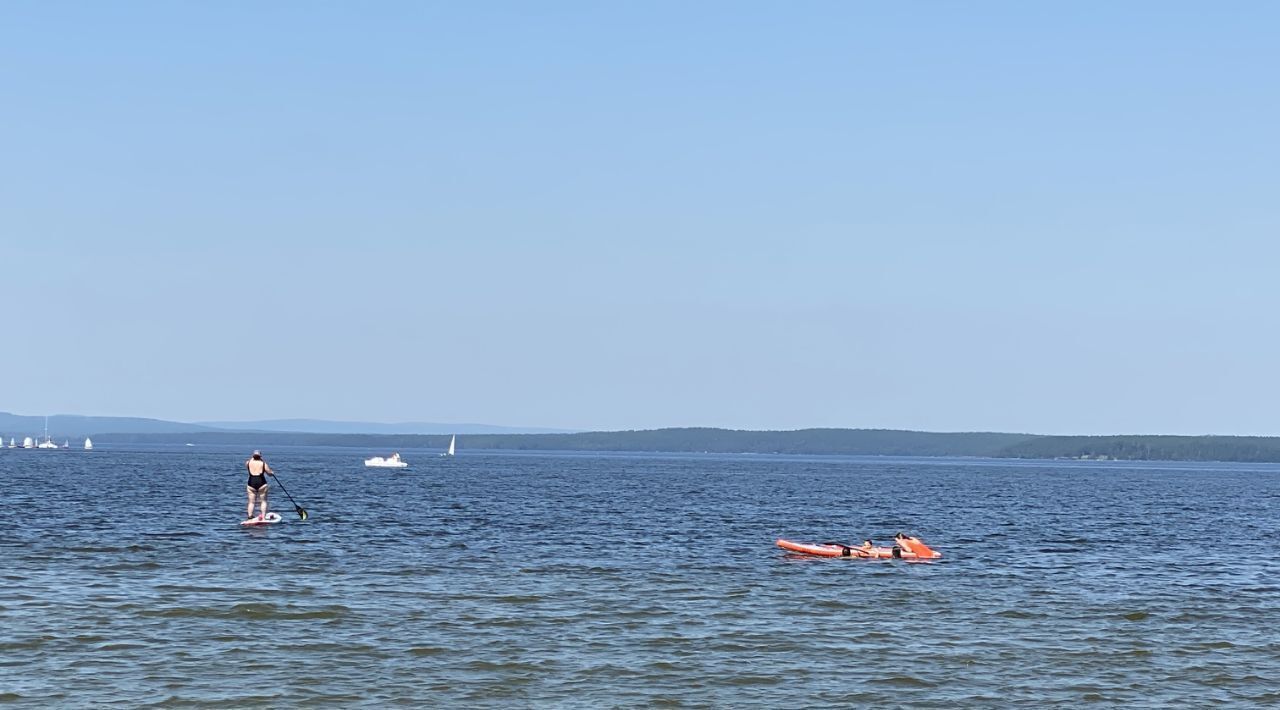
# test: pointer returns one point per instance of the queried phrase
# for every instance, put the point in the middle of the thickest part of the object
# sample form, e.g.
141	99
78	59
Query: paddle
302	513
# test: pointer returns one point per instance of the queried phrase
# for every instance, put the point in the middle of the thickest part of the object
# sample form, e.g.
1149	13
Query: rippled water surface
599	581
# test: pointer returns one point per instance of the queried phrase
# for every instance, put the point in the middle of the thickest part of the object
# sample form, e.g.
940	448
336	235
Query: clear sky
1018	216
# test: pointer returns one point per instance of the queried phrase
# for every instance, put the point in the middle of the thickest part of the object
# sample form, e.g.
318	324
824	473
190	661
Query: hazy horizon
1054	219
473	428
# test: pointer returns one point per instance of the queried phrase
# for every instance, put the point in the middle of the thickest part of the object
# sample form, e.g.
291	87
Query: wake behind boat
392	461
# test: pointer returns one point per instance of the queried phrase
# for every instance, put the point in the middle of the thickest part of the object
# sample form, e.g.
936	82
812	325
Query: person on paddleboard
913	545
257	485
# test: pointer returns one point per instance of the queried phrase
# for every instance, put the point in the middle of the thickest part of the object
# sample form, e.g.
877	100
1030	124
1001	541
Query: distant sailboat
452	441
88	445
27	443
47	443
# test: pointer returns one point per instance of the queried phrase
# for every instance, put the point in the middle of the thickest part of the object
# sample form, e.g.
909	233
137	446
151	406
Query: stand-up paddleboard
271	518
837	550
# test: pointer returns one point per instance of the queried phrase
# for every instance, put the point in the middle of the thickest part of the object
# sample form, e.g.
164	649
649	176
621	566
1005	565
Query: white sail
453	440
27	443
87	444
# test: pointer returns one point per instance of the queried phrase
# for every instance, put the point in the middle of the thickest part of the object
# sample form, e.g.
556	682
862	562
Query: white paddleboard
271	518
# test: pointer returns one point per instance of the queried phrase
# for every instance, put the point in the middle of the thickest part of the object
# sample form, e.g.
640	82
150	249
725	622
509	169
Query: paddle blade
302	514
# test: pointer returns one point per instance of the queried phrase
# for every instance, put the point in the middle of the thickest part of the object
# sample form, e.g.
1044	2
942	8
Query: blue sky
1055	218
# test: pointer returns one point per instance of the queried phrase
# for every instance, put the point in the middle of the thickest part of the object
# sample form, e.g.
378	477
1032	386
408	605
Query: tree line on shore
849	442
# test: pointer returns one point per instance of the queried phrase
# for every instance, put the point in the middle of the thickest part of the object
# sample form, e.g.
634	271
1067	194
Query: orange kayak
838	550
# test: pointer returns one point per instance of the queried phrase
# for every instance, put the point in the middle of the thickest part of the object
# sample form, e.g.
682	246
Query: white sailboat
27	443
452	441
12	443
88	445
47	443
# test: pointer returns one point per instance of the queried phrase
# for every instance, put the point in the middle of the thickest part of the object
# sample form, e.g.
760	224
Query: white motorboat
392	461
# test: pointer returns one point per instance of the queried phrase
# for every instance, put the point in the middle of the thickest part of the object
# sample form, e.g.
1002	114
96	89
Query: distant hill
804	441
853	442
324	426
63	426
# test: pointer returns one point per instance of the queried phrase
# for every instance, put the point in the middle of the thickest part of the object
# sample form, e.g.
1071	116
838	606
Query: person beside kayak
914	546
257	485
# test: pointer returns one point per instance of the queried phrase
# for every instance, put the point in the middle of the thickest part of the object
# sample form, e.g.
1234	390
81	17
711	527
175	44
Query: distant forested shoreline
848	442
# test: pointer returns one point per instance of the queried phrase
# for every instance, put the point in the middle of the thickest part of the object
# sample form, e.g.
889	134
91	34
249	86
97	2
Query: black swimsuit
257	481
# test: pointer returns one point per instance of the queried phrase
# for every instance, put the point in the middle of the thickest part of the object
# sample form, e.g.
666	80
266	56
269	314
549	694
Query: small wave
427	651
118	646
173	534
904	681
129	567
518	599
268	611
482	665
249	611
752	680
243	701
27	644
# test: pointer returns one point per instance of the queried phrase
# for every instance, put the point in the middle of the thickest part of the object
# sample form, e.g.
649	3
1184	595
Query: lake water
599	581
